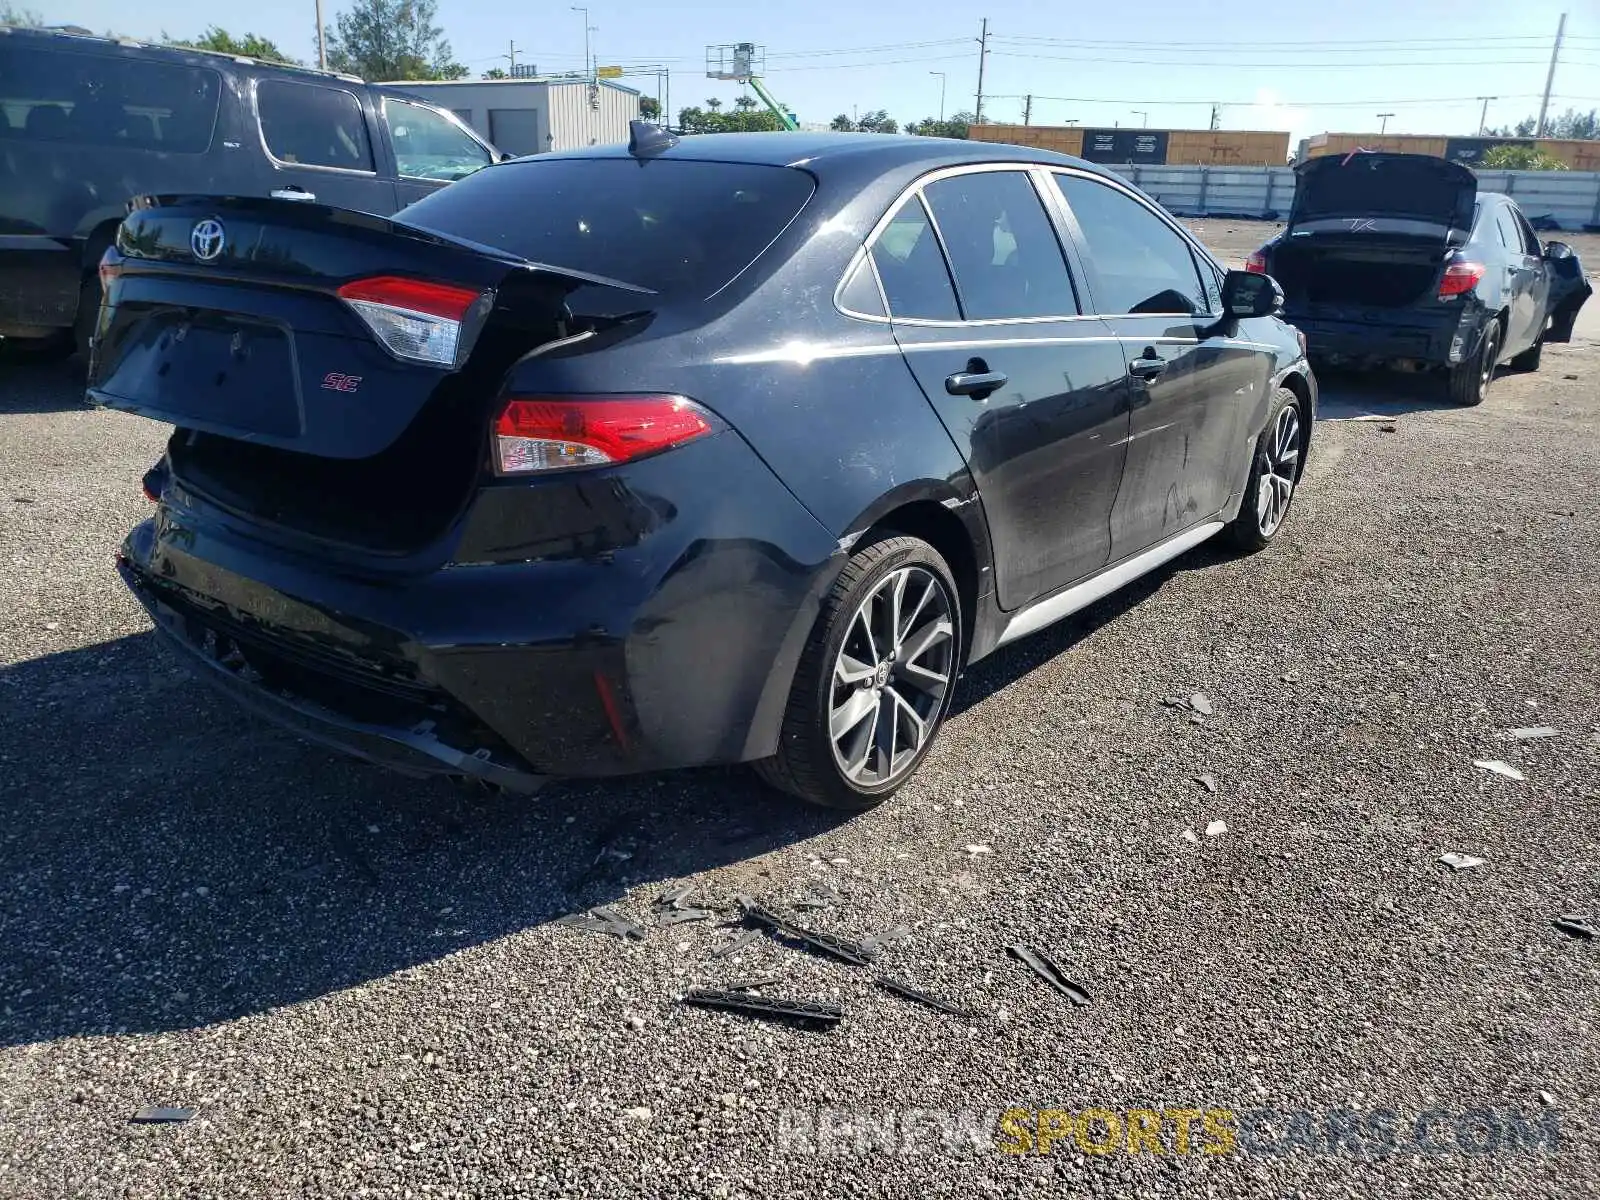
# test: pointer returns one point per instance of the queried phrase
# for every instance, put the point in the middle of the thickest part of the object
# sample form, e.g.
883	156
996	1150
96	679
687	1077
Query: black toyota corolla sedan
731	449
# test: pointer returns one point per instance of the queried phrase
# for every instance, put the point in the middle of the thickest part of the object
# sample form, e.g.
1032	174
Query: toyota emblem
207	239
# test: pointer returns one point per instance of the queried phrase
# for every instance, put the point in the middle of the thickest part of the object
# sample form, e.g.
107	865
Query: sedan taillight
1460	278
415	319
558	433
1256	264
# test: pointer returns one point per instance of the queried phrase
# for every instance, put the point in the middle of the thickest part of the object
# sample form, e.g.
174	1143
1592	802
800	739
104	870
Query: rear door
1033	393
1189	382
1538	272
318	146
1521	281
430	148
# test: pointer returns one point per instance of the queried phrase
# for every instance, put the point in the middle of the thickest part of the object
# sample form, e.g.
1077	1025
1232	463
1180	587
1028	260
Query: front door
1528	285
1034	395
319	147
1191	384
430	149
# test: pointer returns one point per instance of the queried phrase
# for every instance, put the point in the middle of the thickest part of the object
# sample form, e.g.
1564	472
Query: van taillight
416	320
1459	278
558	433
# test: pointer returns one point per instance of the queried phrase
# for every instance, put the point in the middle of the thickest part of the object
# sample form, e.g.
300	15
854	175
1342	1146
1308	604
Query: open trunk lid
1373	194
312	329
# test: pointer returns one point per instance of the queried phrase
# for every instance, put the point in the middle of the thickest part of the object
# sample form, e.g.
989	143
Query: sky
1304	68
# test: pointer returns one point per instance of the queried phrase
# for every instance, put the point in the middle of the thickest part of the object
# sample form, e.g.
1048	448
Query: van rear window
51	95
679	227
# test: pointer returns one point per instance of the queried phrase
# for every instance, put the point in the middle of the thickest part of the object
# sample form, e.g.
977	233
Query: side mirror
1557	250
1248	294
504	156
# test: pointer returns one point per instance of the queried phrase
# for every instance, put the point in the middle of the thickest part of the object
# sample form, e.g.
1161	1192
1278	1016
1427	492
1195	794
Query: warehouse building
532	116
1147	147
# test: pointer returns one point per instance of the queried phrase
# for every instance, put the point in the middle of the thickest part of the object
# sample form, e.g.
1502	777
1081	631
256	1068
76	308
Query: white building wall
573	124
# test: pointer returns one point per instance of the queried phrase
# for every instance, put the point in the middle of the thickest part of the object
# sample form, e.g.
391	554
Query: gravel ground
357	985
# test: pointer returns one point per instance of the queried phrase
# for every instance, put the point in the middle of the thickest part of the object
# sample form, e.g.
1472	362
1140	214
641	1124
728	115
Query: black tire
1275	471
1528	360
50	349
807	763
1469	382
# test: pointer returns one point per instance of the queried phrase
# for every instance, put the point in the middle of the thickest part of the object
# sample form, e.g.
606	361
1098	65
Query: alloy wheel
1280	463
891	676
1491	351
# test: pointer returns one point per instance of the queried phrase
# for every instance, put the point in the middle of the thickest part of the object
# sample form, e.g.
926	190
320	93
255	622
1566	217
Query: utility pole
1483	119
322	41
513	57
1550	79
940	74
983	57
1027	109
1216	116
1384	127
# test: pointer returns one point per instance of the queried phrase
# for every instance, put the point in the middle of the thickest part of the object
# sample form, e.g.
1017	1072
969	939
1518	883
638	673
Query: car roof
72	38
822	150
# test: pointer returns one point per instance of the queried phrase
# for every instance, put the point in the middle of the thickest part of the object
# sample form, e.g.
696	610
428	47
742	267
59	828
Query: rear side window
92	100
1530	239
1141	264
309	125
681	228
1003	252
426	146
1510	235
911	267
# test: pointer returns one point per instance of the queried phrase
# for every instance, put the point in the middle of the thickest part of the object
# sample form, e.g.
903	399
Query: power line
1358	43
1285	104
1236	64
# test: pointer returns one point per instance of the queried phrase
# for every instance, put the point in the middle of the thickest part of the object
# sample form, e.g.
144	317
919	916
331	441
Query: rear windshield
94	100
680	228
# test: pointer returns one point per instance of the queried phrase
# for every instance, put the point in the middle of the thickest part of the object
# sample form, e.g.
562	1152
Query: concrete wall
1571	198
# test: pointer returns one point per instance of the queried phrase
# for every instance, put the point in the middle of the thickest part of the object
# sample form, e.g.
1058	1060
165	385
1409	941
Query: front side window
1003	252
1143	265
911	266
1530	239
94	100
427	146
1510	235
309	125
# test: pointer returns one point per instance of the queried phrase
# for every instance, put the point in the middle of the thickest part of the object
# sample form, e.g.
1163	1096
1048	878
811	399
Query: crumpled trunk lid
1380	194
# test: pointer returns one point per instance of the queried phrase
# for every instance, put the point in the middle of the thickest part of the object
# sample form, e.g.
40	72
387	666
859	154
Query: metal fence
1570	199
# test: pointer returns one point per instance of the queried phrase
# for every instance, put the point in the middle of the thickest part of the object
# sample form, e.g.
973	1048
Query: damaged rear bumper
418	750
1442	338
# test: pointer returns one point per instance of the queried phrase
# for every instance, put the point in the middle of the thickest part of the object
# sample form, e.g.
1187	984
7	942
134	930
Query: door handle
976	381
293	193
1146	368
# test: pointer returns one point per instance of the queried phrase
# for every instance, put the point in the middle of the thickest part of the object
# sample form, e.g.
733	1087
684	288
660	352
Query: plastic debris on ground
873	943
905	990
1461	862
1190	835
1037	962
1576	924
604	919
807	1012
1495	766
1530	733
1215	828
815	939
162	1116
738	943
1209	782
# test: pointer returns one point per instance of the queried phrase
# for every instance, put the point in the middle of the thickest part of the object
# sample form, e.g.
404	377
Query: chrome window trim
261	134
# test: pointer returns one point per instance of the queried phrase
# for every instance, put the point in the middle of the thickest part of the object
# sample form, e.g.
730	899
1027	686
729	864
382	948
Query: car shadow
29	385
1345	395
169	863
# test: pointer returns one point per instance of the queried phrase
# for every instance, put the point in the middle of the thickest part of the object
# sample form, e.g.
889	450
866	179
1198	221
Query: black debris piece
675	897
822	896
677	916
1046	970
745	985
921	997
738	943
157	1115
875	942
807	1012
1577	925
825	942
604	919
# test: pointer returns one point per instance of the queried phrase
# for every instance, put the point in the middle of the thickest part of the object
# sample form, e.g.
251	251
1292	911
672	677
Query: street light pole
940	74
586	29
1384	128
1139	112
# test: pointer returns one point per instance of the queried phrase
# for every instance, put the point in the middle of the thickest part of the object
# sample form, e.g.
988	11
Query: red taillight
554	433
1256	264
1460	278
415	319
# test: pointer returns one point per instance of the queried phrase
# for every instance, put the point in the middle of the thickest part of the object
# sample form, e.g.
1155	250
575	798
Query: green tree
495	73
392	39
714	104
842	124
1571	125
10	14
251	45
745	103
649	108
701	120
957	126
877	122
1522	158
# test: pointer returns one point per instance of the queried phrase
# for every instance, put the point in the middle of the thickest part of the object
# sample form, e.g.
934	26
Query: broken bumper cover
418	750
1443	338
